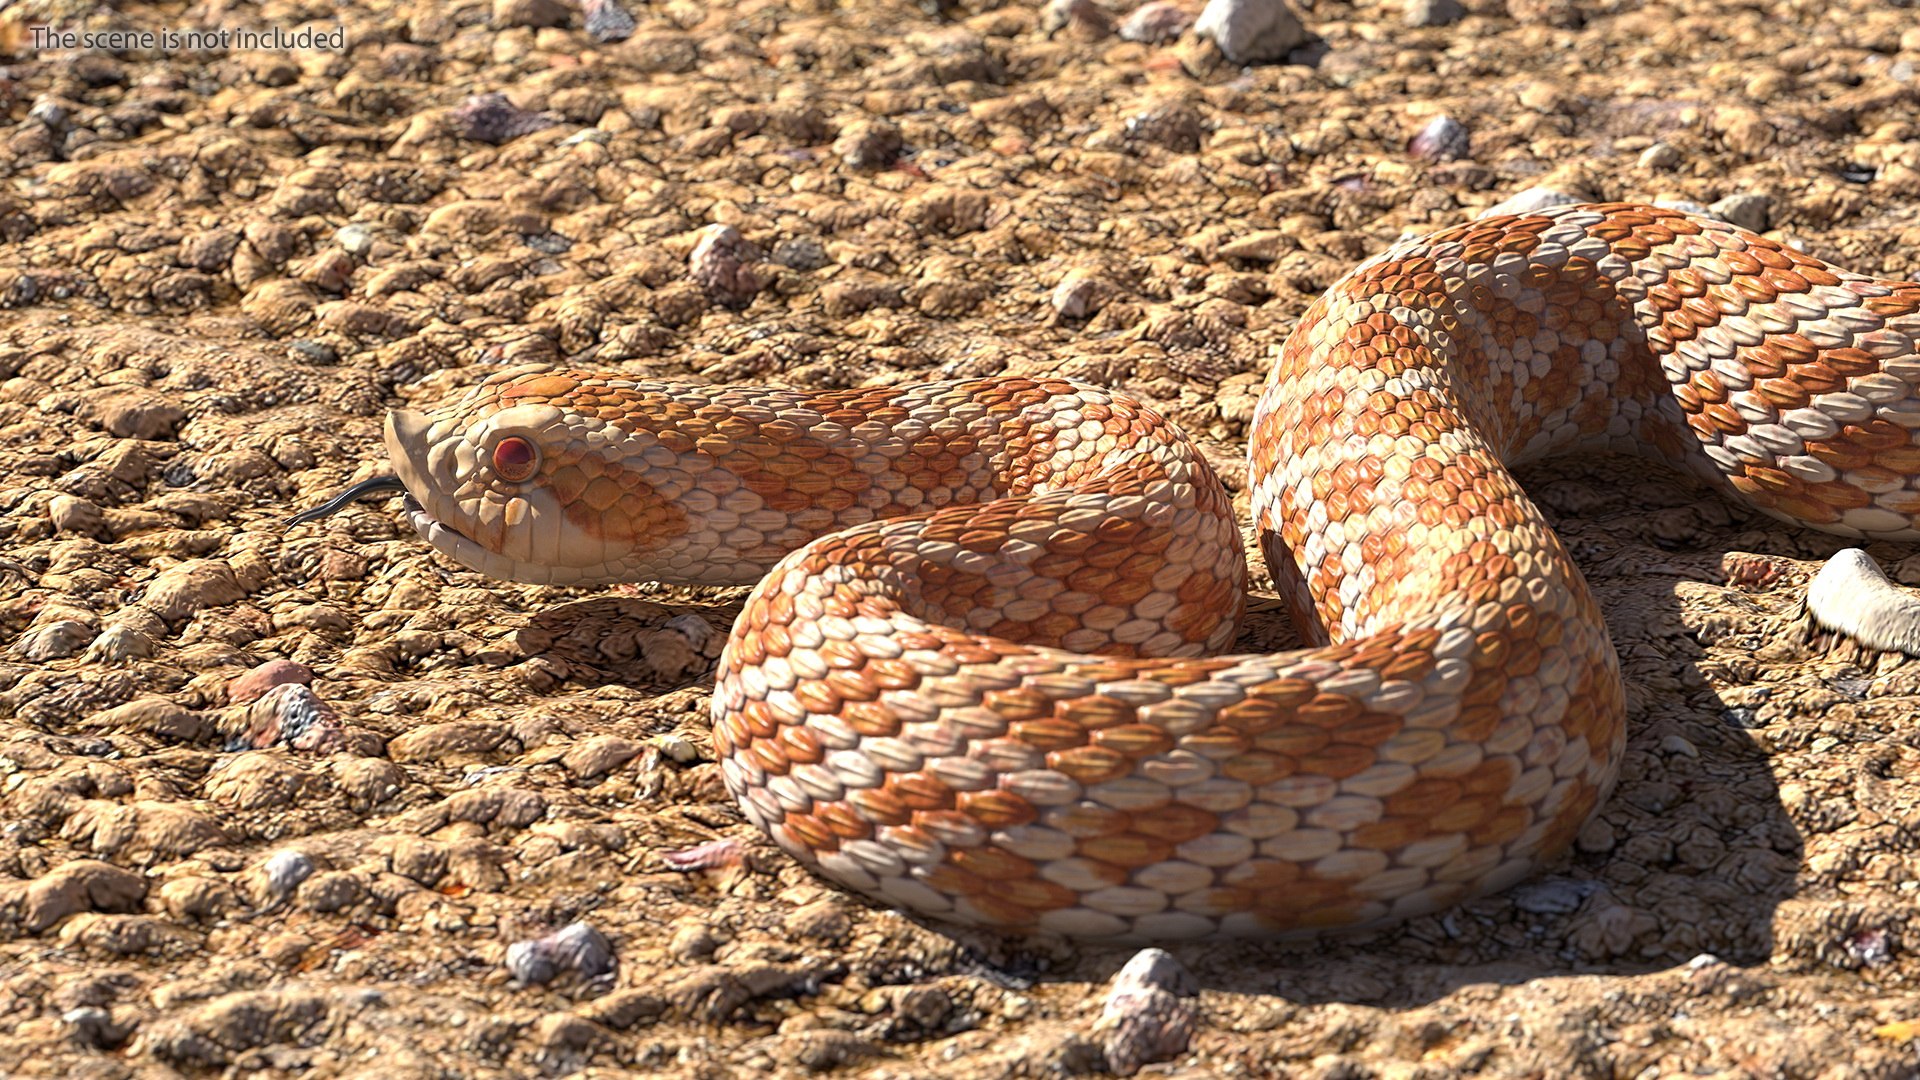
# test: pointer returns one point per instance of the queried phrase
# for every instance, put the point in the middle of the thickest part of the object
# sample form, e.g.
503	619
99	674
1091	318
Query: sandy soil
281	801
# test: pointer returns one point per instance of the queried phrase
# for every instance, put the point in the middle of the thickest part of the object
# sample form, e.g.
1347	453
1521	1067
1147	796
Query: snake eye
514	459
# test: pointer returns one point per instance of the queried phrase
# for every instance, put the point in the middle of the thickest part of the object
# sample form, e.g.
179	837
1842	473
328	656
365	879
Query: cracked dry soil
280	802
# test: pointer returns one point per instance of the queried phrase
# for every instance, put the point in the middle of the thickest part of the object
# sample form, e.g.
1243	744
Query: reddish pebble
255	683
722	263
1157	22
1443	139
1149	1014
707	856
492	118
577	947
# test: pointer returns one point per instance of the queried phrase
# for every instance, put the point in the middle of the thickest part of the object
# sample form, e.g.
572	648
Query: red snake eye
514	459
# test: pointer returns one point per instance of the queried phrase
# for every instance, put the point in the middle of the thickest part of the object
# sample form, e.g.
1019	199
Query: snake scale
979	675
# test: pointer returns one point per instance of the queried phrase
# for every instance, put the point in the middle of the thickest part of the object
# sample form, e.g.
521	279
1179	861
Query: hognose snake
978	677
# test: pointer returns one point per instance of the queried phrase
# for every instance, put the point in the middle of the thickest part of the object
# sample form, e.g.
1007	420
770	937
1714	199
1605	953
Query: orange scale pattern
977	678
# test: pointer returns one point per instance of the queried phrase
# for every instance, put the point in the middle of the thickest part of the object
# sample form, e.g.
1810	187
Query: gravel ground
319	802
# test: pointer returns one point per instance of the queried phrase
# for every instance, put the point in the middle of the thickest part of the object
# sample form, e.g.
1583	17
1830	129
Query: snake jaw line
439	478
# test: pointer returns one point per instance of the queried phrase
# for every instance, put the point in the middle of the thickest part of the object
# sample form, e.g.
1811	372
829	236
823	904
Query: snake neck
1100	530
648	481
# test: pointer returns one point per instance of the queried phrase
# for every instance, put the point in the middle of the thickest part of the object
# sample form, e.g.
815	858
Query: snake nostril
514	459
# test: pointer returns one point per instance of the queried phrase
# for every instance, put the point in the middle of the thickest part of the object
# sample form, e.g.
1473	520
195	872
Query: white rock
1251	31
1443	139
1148	1015
284	871
1530	200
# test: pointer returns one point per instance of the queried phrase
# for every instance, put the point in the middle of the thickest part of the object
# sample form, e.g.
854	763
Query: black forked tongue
375	485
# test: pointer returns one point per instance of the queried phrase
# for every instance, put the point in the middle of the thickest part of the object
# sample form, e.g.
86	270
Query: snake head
536	476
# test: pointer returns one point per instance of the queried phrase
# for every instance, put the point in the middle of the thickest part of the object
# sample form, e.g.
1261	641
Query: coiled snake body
978	680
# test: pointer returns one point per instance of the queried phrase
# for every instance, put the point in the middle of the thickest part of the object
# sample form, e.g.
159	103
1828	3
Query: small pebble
693	941
1530	200
1856	689
607	21
677	748
1251	31
549	243
722	264
354	239
803	253
1685	206
1660	156
869	144
330	891
182	590
1552	896
328	271
1085	18
1443	139
1155	23
49	113
312	352
1080	293
93	1027
1434	12
1565	14
1172	124
492	118
599	755
1148	1015
284	871
576	948
1703	960
927	1007
1753	213
1262	245
1871	948
288	714
530	13
1597	837
1674	744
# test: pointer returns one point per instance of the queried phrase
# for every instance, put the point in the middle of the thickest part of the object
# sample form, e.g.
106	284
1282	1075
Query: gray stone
1753	213
1659	156
1434	12
577	947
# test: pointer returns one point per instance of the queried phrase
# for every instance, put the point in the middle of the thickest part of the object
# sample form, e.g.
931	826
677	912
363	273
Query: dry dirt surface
317	802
